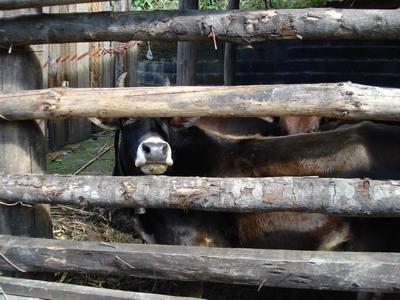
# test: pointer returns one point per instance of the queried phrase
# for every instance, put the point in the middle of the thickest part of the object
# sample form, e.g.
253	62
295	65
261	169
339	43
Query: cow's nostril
164	149
146	149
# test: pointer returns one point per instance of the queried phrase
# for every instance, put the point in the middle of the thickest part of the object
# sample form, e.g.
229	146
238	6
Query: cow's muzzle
153	156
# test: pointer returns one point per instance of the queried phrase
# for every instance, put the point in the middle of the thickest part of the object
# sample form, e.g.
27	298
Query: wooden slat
232	26
348	271
355	197
336	100
16	4
54	290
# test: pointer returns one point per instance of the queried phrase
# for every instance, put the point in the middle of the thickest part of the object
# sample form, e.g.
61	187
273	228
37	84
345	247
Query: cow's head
143	146
145	140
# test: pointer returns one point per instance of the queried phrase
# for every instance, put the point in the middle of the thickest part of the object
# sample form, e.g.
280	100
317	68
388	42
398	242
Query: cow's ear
106	124
180	122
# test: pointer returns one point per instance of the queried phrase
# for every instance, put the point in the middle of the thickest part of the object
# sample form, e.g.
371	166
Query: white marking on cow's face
153	168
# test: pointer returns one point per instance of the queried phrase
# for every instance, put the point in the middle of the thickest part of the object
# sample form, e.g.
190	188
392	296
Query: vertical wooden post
131	59
186	53
230	53
22	144
93	49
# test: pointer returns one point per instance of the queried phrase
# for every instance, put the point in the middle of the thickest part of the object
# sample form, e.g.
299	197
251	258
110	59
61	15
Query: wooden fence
81	65
294	269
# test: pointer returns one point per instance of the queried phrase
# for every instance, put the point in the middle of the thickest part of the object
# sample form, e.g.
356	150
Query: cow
364	150
154	146
357	151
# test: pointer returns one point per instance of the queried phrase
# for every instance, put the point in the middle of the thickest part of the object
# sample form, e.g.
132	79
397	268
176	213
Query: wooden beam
349	271
351	197
55	290
342	100
230	53
231	26
17	4
22	144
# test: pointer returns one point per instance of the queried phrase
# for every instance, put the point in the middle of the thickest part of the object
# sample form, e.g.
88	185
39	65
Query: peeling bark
336	100
350	197
232	26
348	271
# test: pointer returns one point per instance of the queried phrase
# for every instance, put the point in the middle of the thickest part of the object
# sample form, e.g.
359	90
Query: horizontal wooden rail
230	25
336	100
16	4
54	290
353	197
348	271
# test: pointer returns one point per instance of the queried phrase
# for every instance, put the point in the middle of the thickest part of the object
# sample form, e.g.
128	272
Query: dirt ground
82	224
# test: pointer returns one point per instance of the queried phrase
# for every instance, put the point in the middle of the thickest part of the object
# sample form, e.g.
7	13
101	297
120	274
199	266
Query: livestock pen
22	148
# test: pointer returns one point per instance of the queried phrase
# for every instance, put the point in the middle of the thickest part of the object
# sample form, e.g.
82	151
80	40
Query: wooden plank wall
89	71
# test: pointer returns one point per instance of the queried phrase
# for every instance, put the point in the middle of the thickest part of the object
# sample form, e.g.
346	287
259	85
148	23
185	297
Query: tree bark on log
17	4
342	100
348	271
230	53
54	290
350	197
231	26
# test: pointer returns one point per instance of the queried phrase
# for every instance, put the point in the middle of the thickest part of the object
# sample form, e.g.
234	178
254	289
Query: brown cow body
358	151
363	150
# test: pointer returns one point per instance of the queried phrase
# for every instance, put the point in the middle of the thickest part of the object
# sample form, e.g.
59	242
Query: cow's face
146	142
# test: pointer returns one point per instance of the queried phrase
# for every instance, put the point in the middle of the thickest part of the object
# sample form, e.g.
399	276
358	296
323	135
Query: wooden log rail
36	289
17	4
349	271
352	197
336	100
231	26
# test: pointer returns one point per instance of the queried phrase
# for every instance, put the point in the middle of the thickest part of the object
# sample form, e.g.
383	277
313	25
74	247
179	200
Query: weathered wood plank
284	268
232	26
55	290
22	144
355	197
336	100
16	4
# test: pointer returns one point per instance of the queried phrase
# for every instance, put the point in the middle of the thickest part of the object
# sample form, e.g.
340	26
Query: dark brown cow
235	126
363	150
